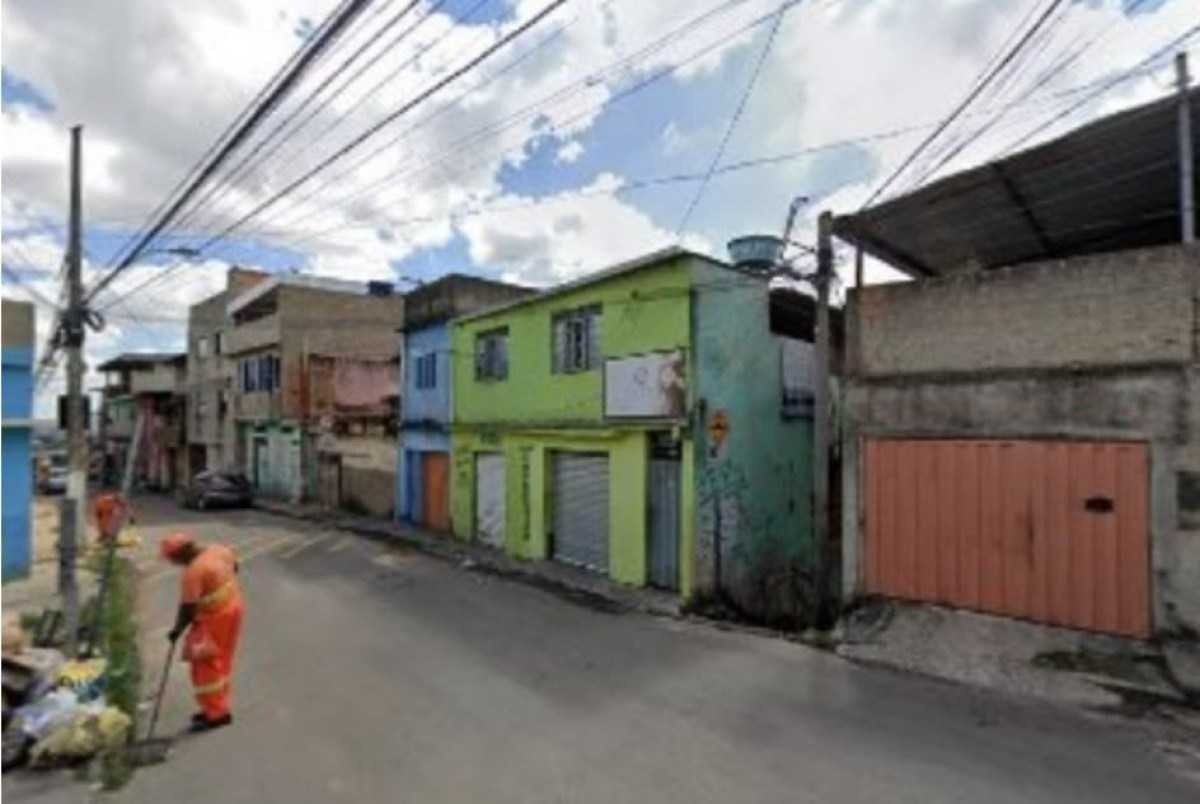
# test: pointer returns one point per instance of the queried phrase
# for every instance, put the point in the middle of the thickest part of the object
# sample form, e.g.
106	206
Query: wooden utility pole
821	419
1187	186
72	528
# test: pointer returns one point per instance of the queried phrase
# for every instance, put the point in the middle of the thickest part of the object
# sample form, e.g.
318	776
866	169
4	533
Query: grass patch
120	629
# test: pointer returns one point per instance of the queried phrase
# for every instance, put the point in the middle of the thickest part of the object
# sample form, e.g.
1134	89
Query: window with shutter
491	355
559	336
576	337
593	338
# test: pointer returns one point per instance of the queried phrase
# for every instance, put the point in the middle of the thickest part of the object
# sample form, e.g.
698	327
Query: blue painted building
16	466
423	458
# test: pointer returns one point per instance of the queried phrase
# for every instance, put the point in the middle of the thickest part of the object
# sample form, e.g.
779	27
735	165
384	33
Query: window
216	343
491	355
427	371
576	338
202	347
260	373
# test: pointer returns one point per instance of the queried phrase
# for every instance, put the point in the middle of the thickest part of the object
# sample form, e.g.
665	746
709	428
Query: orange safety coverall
210	582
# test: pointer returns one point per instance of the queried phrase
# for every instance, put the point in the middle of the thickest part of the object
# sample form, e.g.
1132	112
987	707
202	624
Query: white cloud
837	70
569	152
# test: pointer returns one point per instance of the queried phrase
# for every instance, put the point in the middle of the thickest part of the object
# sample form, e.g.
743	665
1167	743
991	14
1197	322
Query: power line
337	177
1108	85
1046	77
967	101
391	117
344	16
733	121
33	292
243	167
636	184
562	94
230	129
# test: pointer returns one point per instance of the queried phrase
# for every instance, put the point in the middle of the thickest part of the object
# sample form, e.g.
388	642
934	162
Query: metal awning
1110	185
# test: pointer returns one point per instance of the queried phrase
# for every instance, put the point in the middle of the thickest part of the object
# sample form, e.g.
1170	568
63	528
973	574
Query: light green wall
529	519
643	311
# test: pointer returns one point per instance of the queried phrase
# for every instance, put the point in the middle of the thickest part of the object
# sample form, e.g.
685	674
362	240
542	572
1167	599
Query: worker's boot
204	724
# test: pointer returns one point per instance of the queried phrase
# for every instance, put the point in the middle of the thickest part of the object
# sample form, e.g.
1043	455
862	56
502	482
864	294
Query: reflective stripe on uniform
205	689
217	596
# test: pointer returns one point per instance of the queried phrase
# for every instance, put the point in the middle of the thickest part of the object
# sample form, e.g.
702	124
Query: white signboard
646	386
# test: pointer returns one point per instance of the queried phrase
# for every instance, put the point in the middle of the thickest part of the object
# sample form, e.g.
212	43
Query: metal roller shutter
581	510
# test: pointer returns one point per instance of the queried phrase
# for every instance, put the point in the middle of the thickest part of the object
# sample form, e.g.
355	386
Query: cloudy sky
582	143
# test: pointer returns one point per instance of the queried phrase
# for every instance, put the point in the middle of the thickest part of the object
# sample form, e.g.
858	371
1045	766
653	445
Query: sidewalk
557	578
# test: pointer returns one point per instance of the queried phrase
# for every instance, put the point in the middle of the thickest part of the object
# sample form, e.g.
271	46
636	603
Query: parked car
54	473
217	490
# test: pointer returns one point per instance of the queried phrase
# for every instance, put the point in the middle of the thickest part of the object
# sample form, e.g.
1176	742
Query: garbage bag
41	717
93	729
84	676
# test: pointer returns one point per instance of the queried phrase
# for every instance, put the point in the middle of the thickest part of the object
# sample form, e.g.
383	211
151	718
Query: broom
153	750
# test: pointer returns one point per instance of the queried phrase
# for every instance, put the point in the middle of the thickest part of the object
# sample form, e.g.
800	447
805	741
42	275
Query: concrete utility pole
73	522
1187	181
821	414
823	281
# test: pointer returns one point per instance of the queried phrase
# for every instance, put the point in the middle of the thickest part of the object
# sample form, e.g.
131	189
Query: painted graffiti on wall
758	566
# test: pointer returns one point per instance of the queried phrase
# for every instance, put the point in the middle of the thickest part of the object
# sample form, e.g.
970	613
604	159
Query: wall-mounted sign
646	386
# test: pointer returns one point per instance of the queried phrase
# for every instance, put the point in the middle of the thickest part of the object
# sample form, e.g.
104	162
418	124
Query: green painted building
637	423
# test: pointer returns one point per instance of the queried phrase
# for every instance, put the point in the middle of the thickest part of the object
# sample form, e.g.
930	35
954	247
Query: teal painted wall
757	483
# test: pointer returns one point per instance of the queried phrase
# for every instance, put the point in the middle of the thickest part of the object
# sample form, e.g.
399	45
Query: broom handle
162	688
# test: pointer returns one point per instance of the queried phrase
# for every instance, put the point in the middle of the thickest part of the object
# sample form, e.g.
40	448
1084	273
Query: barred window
491	355
576	338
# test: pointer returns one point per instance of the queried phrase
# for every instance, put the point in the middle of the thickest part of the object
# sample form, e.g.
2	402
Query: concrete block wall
1114	309
1100	347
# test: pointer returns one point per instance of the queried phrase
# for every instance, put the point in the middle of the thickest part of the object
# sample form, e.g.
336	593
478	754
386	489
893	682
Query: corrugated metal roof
1110	185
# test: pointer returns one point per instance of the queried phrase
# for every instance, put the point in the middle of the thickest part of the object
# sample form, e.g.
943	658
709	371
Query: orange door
1051	531
435	469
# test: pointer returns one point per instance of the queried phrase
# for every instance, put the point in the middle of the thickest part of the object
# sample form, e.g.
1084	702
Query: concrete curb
556	579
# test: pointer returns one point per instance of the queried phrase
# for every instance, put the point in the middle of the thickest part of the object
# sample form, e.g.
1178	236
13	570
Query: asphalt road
373	674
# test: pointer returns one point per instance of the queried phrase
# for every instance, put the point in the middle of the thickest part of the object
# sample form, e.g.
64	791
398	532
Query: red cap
174	544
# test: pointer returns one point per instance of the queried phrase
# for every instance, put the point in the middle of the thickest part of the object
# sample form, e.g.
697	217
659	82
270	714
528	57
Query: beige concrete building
211	428
315	389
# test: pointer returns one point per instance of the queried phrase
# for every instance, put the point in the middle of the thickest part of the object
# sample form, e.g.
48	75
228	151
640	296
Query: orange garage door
1049	531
